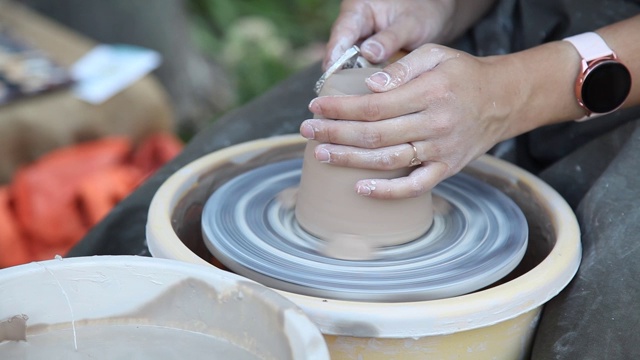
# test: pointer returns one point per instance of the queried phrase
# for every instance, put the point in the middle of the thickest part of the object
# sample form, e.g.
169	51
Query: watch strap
590	46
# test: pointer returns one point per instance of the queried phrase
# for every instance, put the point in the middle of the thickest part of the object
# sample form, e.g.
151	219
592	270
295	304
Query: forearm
543	78
622	37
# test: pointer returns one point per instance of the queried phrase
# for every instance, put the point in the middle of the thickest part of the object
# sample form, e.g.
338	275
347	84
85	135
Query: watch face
606	87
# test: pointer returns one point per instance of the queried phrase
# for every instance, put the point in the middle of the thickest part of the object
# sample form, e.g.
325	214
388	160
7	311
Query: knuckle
371	139
440	83
399	70
327	109
442	127
415	189
387	162
392	37
345	26
331	135
371	109
340	158
436	151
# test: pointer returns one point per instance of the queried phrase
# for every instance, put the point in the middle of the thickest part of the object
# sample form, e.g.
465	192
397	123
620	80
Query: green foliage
261	42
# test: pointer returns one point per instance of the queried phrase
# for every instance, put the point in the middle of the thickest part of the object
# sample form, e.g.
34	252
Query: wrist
544	92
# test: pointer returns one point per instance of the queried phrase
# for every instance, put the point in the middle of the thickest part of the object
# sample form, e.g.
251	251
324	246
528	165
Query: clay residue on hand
14	328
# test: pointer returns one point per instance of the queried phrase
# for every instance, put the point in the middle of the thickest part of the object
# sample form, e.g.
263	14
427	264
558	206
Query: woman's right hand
385	27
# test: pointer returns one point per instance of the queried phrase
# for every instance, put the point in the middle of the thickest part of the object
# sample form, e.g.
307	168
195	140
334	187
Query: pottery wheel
478	236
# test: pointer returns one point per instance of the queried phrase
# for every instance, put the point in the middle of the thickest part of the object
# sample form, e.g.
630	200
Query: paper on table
108	69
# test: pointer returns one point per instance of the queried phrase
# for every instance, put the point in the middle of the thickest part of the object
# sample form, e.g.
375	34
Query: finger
371	107
387	158
398	35
368	135
353	23
422	179
389	98
417	62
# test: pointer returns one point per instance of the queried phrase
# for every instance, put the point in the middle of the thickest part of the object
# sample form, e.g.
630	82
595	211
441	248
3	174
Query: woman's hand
448	105
388	26
451	106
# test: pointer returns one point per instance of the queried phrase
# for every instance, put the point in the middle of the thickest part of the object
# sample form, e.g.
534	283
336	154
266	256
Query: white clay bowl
127	307
495	323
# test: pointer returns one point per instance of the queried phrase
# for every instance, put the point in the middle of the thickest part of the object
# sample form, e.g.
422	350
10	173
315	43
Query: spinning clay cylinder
327	204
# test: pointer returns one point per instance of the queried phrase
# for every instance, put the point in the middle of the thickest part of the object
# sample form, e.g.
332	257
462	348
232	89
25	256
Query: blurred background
262	42
65	162
217	54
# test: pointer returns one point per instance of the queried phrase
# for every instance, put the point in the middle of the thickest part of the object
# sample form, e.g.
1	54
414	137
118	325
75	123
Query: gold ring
414	160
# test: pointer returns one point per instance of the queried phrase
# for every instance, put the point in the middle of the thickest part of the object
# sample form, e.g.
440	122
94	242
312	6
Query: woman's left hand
453	107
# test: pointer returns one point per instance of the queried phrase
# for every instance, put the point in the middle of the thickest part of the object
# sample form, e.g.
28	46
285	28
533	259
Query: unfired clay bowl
494	323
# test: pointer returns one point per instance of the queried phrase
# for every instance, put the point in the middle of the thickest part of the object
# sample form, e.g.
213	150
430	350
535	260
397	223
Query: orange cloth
53	202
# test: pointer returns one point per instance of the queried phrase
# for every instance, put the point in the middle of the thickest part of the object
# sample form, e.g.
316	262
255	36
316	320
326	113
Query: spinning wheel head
477	237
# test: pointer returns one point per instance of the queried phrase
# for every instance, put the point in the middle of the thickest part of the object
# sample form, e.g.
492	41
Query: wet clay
328	207
174	325
14	328
123	341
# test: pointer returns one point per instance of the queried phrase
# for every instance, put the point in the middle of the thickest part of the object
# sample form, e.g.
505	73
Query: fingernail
323	155
364	190
380	78
374	49
306	131
313	107
366	187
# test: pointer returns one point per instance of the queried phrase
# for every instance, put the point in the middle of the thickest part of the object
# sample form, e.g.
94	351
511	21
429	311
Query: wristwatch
603	83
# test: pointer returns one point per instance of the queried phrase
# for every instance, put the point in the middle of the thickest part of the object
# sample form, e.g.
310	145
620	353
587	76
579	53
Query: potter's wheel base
478	236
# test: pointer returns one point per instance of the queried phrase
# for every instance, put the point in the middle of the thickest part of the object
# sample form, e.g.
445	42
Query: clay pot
327	205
